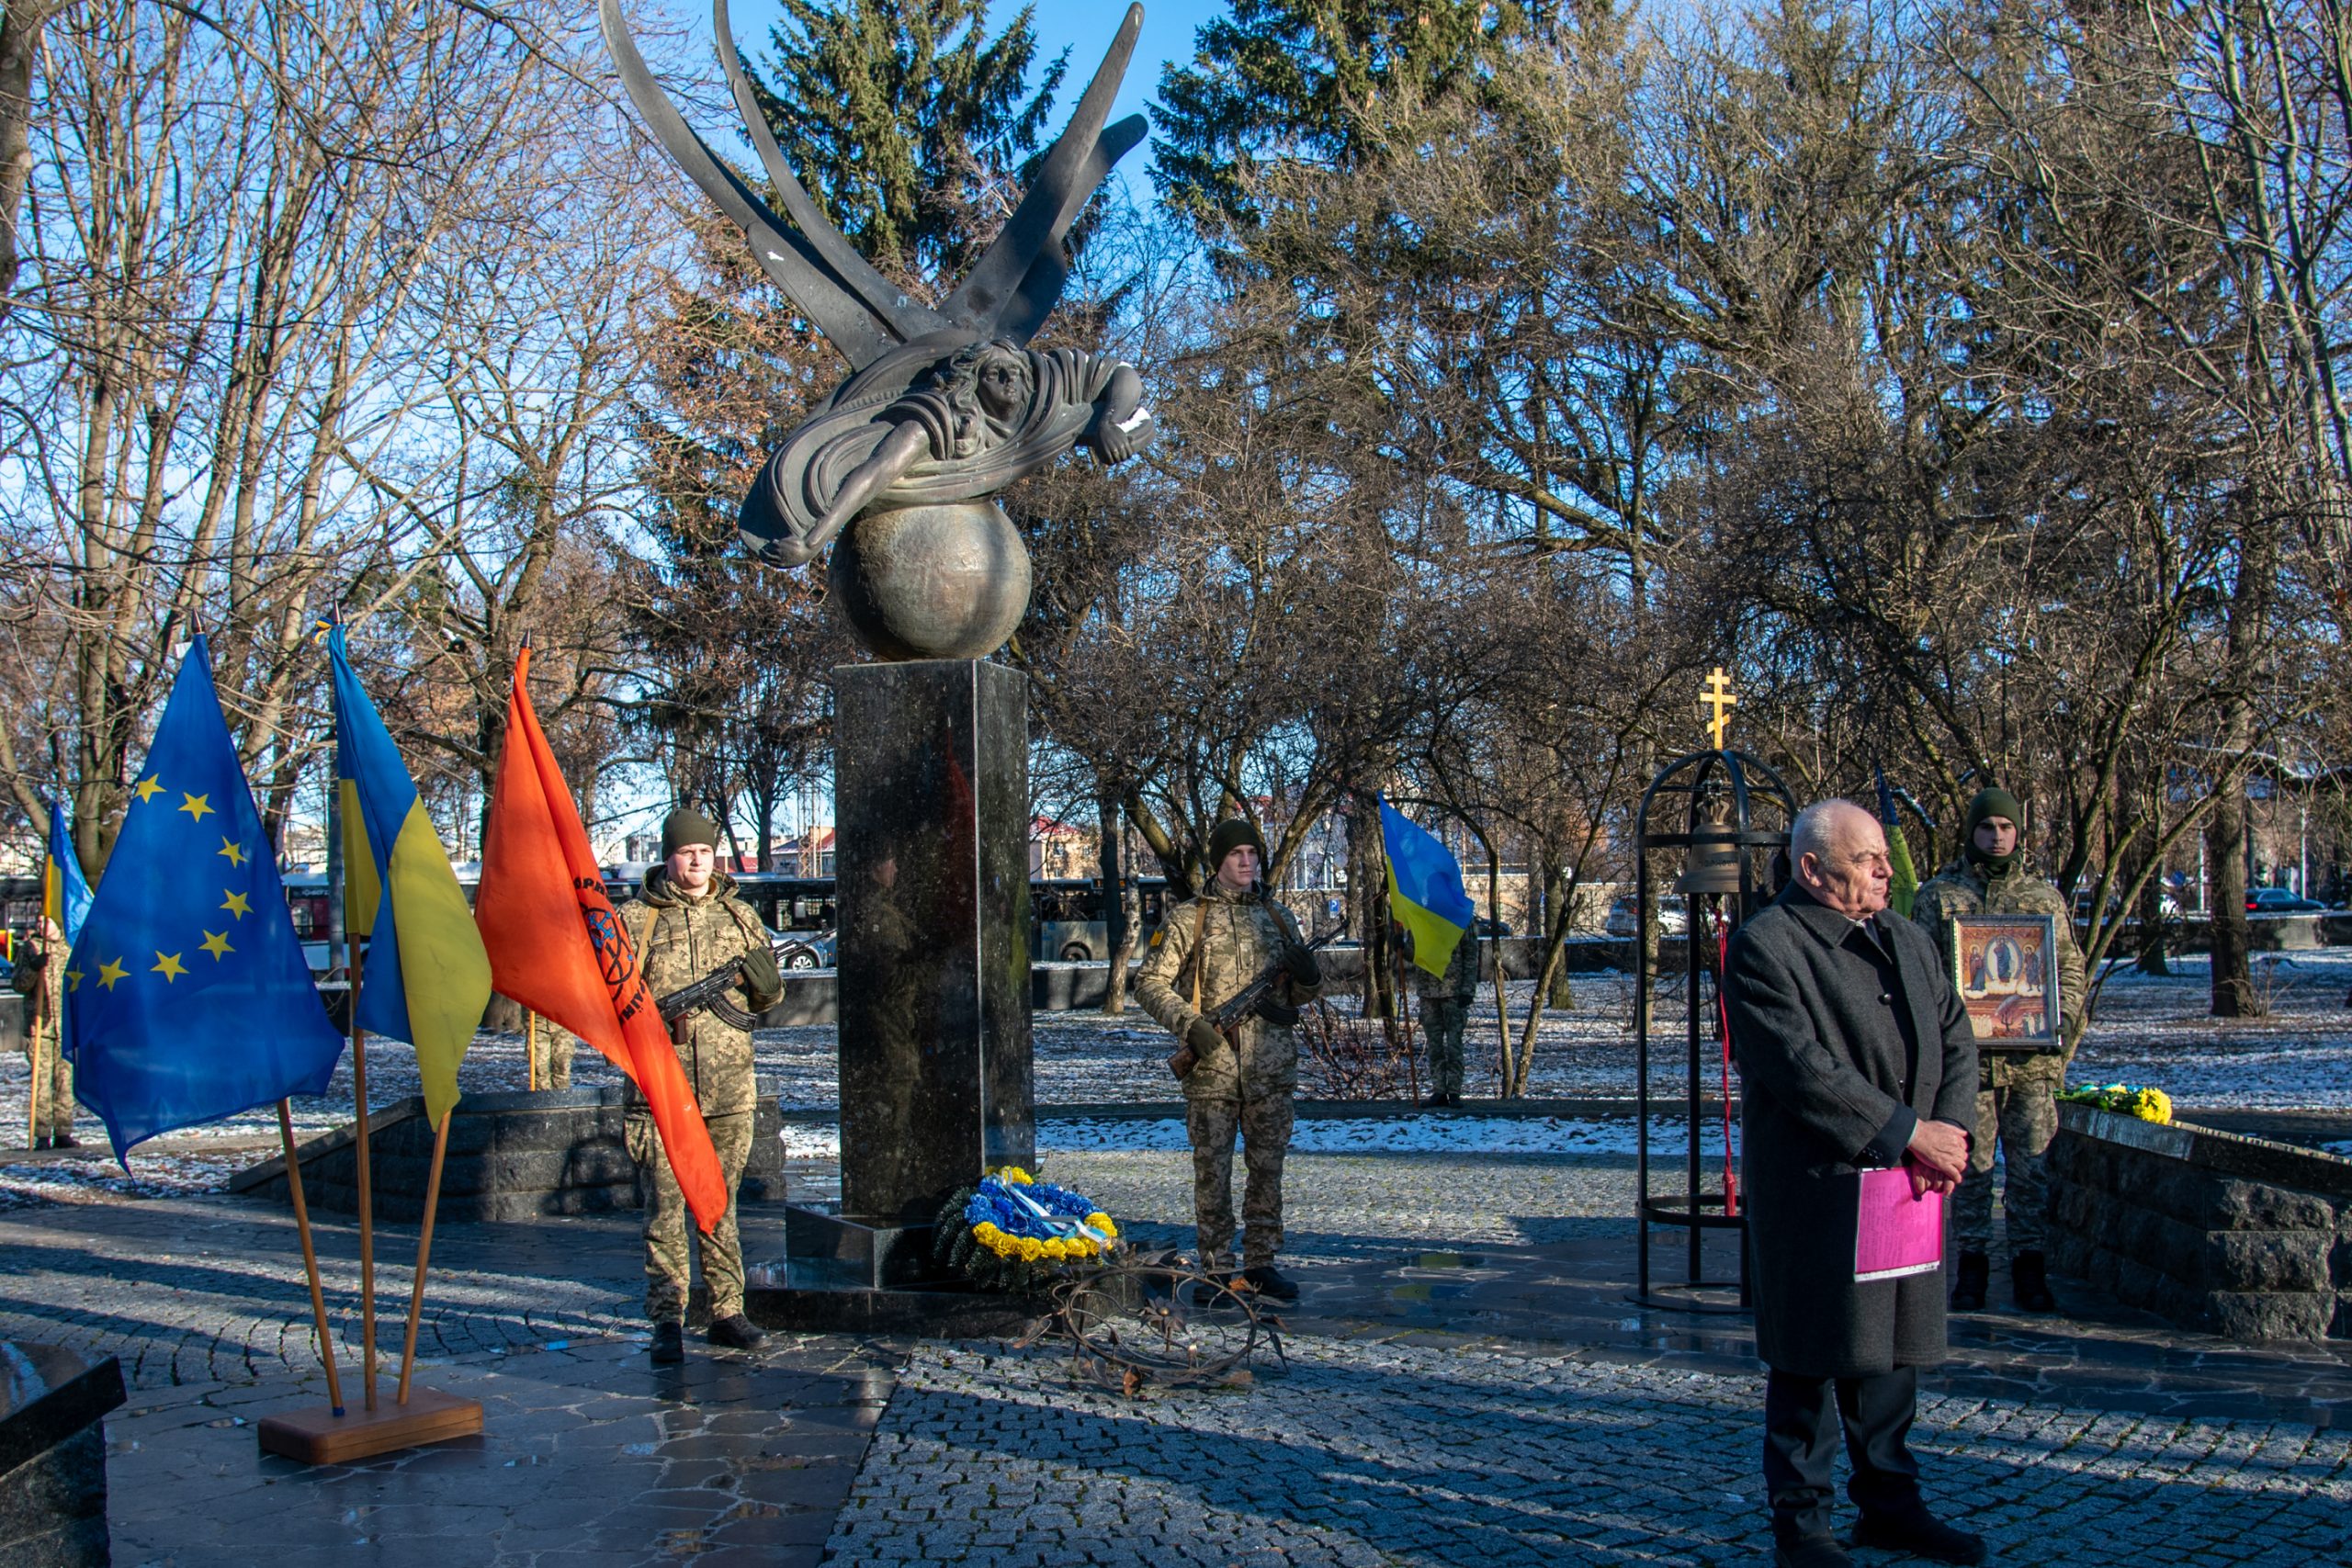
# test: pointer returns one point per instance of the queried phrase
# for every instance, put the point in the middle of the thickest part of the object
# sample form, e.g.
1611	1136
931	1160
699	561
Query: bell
1713	866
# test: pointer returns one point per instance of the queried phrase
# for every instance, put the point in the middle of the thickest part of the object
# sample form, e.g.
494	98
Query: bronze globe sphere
945	582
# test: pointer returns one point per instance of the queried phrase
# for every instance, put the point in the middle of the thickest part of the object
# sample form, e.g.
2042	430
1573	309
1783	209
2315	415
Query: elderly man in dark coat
1853	1053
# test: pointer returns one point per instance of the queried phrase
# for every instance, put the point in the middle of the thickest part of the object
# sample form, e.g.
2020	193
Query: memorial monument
943	408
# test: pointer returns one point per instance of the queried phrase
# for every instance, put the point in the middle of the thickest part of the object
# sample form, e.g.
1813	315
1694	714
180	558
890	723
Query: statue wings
1008	294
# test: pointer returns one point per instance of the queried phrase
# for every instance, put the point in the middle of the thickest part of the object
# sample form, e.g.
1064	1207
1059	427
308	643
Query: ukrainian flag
64	893
427	978
1905	891
1425	890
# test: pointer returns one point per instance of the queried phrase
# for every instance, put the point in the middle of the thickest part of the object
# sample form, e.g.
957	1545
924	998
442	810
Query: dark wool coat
1843	1044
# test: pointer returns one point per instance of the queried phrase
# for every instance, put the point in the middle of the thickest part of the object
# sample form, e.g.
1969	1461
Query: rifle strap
1198	959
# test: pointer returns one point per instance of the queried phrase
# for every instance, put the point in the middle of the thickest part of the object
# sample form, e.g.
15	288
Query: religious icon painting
2005	969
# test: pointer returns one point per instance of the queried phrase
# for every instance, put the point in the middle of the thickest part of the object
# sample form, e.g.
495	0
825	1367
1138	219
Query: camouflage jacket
1460	981
39	978
1962	888
678	940
1240	935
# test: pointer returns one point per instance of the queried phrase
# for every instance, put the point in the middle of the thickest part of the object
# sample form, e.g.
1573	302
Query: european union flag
190	998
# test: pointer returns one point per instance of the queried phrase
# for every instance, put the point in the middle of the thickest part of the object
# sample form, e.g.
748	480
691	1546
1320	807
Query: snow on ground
1424	1133
2148	1031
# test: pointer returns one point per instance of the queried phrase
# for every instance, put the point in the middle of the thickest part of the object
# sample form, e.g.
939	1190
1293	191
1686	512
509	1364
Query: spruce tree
908	124
1295	79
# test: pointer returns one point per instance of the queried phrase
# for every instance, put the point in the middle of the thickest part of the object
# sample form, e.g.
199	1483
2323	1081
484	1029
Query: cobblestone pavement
1361	1454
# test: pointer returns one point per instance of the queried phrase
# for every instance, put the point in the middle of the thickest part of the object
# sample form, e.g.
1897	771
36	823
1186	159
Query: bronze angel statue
944	407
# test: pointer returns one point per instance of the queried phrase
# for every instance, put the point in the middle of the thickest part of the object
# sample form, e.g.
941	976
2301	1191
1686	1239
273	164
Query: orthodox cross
1718	696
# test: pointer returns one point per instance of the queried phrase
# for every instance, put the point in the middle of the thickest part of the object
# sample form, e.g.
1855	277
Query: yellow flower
1015	1175
1103	1222
1032	1249
2152	1105
1056	1250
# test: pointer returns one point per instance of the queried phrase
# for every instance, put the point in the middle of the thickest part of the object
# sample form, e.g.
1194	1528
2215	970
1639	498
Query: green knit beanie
1992	802
1230	835
686	826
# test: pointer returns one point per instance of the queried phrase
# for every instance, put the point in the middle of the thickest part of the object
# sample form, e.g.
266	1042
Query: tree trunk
2234	993
1119	915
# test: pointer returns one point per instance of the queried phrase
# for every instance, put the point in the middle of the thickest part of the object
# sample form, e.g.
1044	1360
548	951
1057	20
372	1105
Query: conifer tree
1295	78
911	126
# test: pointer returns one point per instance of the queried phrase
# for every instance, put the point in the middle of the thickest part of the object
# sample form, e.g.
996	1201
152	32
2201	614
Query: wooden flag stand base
319	1436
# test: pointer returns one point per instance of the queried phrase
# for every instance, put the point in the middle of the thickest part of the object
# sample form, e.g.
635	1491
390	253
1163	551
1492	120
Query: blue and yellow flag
188	998
1904	892
64	893
1425	891
427	978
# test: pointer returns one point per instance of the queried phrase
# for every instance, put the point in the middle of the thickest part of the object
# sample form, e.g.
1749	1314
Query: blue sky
1088	27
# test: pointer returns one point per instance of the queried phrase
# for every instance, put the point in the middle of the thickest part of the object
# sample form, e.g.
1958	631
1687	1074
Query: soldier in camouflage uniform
1445	1016
39	978
684	924
2017	1097
1208	949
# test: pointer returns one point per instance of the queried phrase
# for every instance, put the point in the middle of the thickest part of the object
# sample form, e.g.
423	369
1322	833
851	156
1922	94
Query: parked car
804	950
1624	915
1490	929
2280	902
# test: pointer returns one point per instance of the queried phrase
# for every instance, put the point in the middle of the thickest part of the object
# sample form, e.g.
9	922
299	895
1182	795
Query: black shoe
669	1344
65	1141
1269	1282
1812	1551
737	1333
1968	1285
1921	1534
2030	1285
41	1142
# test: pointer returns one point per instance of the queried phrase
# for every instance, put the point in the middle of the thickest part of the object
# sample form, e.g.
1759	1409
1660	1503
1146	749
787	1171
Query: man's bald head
1838	852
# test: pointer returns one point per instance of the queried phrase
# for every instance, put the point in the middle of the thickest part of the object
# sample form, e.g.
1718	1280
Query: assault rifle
710	991
1228	1014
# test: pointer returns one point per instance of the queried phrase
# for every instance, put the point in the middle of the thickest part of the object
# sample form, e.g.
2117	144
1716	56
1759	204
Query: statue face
1003	386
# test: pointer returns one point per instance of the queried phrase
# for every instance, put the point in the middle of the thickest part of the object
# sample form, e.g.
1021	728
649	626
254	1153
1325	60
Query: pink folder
1896	1234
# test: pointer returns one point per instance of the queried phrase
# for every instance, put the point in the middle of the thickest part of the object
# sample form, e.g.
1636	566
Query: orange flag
557	947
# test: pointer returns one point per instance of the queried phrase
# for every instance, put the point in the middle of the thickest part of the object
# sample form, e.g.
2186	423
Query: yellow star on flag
72	979
237	905
168	965
148	789
217	944
236	856
112	971
199	806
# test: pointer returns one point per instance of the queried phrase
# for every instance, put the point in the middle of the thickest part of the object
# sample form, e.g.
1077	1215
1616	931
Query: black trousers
1802	1416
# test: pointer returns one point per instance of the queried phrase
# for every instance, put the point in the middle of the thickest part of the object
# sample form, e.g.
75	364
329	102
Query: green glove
1202	1035
762	979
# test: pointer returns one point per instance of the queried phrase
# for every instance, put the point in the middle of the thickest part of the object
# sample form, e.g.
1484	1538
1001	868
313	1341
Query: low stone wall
511	1156
54	1403
2231	1234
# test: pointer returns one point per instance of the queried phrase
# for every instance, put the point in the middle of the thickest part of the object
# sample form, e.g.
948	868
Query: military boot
736	1332
669	1344
2030	1285
1969	1282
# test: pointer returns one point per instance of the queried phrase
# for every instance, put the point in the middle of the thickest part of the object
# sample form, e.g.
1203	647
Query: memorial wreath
1011	1232
2124	1100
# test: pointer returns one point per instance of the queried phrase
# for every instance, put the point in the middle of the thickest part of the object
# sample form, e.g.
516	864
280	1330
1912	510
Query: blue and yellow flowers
1011	1230
2124	1100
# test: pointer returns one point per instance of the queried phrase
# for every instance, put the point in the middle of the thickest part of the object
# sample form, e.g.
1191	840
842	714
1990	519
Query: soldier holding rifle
1210	949
685	924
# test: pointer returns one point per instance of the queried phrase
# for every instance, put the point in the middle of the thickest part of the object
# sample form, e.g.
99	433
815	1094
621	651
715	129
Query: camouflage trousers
668	1222
2023	1117
1443	1023
1263	1122
51	1087
551	1049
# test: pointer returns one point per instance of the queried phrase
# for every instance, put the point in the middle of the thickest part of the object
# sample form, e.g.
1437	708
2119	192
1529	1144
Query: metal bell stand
1719	792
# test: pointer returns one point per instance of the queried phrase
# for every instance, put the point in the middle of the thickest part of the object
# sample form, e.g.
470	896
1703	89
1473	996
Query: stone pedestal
54	1403
932	805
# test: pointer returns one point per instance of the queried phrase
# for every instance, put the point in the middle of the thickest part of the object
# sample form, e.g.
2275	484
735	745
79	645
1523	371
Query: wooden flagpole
310	1253
424	1252
366	1204
531	1047
32	1085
